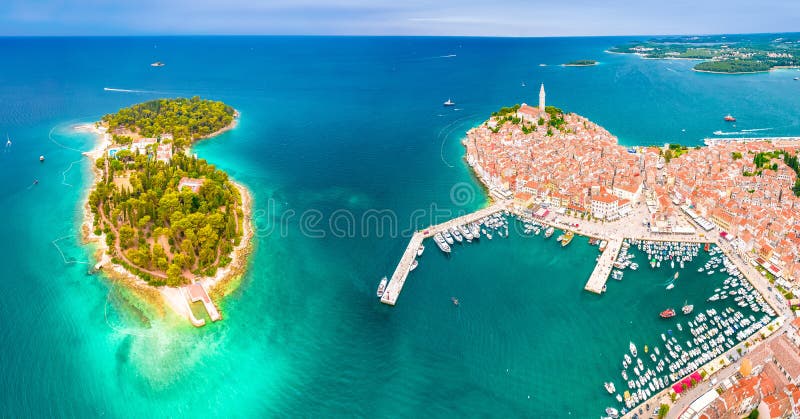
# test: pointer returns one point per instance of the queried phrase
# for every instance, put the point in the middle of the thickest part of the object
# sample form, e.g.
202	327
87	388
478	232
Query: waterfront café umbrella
697	377
746	368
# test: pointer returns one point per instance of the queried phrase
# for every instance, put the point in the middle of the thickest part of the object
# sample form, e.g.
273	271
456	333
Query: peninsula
166	219
732	54
736	200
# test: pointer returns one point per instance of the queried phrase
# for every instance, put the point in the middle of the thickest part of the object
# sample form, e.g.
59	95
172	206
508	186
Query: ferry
610	387
157	64
413	265
549	232
382	286
667	313
567	238
729	118
449	103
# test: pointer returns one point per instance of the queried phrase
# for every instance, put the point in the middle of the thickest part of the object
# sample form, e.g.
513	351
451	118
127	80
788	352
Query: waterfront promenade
398	279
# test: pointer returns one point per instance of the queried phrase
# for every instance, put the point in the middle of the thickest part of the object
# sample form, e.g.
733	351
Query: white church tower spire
541	98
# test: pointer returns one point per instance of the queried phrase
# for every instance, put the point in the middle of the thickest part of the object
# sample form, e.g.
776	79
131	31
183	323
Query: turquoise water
329	124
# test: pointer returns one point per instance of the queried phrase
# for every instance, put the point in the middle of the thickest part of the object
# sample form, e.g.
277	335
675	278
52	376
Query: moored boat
382	286
567	238
413	265
667	313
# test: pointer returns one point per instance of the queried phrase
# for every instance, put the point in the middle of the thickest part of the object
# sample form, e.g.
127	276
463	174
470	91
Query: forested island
580	63
731	54
165	215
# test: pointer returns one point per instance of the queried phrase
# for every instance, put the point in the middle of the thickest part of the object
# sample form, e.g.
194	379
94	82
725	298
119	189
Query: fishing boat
632	347
567	238
413	265
382	287
610	387
449	103
666	314
420	250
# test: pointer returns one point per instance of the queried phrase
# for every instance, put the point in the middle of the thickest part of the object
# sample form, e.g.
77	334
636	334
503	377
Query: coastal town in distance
734	199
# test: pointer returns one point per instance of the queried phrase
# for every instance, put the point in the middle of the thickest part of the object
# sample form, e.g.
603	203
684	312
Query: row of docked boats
487	226
706	335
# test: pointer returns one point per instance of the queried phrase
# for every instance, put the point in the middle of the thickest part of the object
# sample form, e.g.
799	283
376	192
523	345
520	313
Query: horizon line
231	35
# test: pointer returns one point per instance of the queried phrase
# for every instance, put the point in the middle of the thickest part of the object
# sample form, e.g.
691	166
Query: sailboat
449	103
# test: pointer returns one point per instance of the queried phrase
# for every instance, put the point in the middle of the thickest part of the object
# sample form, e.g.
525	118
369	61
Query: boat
41	158
420	250
157	64
624	375
609	387
454	300
687	308
670	286
646	349
667	313
632	347
707	247
611	412
413	265
603	245
729	118
382	286
619	398
449	103
440	241
627	357
567	238
549	232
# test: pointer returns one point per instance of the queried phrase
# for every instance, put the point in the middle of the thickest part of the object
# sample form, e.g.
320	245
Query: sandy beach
164	295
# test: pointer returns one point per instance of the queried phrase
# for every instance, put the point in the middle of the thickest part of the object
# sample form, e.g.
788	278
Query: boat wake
742	132
447	56
113	89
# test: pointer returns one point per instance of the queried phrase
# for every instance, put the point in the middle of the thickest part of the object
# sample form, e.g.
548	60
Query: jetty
196	292
398	279
599	276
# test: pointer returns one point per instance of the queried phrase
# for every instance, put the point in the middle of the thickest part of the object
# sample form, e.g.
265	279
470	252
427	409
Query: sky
396	17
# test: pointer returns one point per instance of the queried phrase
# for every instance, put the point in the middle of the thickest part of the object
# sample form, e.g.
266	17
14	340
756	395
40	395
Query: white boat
420	250
449	103
619	398
413	265
624	375
611	412
687	308
670	286
157	64
382	287
609	387
632	347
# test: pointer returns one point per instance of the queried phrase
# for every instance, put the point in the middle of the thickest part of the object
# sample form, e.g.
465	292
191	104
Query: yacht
413	265
449	103
549	232
420	250
632	347
382	287
447	237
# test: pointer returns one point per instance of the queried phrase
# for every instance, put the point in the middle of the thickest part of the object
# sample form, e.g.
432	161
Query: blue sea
347	149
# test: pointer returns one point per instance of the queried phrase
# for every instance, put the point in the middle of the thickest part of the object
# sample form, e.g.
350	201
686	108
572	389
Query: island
731	54
166	219
580	63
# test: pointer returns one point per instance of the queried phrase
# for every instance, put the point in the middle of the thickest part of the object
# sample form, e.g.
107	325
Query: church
529	113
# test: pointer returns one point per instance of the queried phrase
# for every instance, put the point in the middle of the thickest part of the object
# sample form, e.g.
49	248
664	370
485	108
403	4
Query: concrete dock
197	292
398	279
598	278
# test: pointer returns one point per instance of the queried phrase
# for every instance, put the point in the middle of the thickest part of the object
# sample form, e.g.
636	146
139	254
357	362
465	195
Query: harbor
398	279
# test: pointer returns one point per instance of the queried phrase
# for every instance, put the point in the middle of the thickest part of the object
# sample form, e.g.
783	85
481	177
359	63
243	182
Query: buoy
41	158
